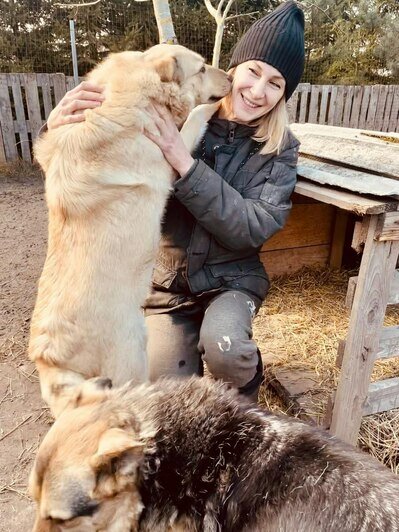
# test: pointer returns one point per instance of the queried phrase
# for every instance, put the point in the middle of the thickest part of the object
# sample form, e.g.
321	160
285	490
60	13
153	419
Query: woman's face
257	88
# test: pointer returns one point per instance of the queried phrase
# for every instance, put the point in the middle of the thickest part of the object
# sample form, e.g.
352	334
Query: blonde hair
272	126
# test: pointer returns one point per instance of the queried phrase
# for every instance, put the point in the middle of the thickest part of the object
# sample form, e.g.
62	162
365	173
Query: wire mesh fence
343	45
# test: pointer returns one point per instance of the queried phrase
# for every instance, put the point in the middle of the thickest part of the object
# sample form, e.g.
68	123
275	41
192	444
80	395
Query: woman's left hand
169	139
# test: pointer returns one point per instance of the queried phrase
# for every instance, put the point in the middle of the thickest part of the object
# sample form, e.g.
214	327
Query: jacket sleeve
244	220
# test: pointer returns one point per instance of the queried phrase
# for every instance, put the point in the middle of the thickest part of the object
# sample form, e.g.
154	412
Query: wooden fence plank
323	104
43	80
7	121
15	82
292	106
314	104
382	396
3	158
59	84
339	106
372	107
357	102
333	104
388	107
380	110
33	104
304	104
364	107
394	118
349	93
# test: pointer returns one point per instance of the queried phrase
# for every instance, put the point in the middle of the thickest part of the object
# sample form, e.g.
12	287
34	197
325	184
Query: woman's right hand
71	107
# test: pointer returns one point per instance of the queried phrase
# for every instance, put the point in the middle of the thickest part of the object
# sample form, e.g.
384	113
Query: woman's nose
258	89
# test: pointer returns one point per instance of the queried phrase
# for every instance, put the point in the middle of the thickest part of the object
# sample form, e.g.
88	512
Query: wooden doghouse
347	172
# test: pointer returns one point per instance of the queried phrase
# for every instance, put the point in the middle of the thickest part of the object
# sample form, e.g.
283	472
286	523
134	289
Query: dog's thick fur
106	188
188	456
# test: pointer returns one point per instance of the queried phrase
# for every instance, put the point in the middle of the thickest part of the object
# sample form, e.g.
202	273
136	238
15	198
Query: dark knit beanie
276	39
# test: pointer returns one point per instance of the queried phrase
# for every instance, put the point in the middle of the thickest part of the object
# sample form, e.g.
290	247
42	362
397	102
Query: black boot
251	389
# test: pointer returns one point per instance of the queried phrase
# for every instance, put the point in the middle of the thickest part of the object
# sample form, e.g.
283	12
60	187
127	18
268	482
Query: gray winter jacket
218	218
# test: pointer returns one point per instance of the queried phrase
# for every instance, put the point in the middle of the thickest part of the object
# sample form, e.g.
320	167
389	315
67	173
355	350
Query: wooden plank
373	152
360	234
390	228
282	261
59	84
388	345
349	92
394	118
364	107
338	240
388	107
380	108
14	82
345	200
323	104
339	106
2	149
371	113
393	295
307	225
367	316
357	102
7	121
32	102
346	178
304	104
314	104
382	396
333	103
43	80
292	107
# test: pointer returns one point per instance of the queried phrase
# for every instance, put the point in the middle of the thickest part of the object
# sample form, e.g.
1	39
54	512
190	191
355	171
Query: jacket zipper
232	127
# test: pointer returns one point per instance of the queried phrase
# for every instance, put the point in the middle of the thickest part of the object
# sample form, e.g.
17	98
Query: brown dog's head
85	473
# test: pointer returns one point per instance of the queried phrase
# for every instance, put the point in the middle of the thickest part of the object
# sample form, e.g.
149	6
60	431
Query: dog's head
189	80
85	473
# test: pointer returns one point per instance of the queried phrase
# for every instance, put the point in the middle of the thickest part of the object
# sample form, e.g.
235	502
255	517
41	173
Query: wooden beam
390	228
360	234
388	346
393	296
367	316
345	200
382	396
282	261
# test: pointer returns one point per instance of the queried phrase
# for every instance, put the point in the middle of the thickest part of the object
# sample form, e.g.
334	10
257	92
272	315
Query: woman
227	201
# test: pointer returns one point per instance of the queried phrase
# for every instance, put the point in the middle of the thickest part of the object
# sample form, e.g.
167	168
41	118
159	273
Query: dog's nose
103	382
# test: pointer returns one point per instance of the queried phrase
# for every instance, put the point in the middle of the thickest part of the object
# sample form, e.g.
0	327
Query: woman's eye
253	71
277	85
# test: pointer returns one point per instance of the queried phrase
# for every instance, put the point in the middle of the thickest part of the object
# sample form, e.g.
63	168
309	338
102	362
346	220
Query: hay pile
299	327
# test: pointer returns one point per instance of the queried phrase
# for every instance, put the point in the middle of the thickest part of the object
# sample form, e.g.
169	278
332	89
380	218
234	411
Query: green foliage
347	41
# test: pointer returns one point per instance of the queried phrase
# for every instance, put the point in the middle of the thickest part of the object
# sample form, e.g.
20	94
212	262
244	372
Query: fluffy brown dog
187	456
106	188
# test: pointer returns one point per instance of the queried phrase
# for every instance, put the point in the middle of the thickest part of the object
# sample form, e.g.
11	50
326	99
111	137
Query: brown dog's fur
106	188
187	456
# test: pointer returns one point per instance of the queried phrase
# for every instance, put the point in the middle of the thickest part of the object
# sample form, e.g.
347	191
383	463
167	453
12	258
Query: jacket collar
222	128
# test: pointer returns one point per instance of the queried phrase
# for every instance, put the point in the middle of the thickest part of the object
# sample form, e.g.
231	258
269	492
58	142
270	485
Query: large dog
188	456
106	188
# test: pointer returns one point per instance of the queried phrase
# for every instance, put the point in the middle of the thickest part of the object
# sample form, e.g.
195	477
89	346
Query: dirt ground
23	418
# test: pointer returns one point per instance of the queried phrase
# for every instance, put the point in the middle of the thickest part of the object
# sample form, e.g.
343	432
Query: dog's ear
113	444
168	69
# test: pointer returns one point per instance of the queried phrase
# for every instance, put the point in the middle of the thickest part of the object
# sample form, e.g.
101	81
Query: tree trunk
164	22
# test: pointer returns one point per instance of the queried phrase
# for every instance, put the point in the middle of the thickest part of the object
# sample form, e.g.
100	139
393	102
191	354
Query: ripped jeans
216	330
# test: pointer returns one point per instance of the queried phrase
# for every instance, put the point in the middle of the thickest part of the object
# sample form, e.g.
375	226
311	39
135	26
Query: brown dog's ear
113	443
168	69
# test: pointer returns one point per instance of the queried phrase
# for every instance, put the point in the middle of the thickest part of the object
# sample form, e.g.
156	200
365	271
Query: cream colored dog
106	189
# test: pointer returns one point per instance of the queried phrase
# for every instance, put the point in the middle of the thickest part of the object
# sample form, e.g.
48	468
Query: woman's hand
71	107
169	139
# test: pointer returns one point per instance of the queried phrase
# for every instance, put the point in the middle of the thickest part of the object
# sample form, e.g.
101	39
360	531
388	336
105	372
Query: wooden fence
27	99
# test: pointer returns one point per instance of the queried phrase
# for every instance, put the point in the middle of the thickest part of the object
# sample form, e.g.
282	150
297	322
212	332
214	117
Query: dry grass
299	328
